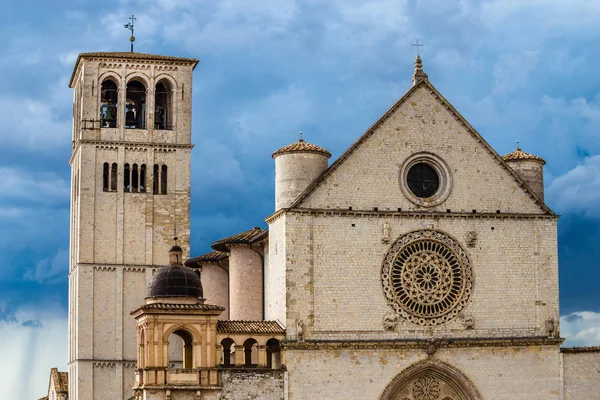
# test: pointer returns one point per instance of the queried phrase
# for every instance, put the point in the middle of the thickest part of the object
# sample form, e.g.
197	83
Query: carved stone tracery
431	380
427	277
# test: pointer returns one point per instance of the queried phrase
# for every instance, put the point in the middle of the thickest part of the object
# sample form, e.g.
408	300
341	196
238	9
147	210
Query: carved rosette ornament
426	388
427	277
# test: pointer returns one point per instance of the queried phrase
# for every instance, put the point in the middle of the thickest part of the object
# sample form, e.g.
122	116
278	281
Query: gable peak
419	74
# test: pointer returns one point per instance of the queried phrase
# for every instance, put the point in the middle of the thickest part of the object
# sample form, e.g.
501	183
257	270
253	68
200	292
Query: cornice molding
406	214
420	344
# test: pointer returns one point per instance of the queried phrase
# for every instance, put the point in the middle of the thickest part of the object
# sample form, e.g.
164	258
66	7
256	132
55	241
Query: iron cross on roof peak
417	45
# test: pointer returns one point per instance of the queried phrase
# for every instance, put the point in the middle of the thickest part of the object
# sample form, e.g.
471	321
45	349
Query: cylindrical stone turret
530	169
246	271
296	166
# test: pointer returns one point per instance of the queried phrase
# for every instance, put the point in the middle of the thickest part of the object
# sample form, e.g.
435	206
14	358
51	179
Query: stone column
262	356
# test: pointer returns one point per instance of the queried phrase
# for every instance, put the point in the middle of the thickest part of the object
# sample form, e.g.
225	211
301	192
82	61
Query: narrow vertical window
143	178
163	180
108	104
163	114
134	178
127	179
113	178
135	105
105	177
155	179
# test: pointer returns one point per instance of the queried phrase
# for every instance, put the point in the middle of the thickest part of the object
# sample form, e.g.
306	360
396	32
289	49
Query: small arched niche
431	380
163	105
135	105
183	340
109	95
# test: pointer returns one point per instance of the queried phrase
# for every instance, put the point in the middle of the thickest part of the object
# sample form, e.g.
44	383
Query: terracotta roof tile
136	56
588	349
520	155
189	307
301	147
244	237
272	327
213	256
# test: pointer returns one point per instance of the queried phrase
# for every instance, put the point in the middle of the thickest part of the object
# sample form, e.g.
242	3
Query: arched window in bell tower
163	180
105	177
127	178
108	104
163	106
143	178
113	178
134	178
135	105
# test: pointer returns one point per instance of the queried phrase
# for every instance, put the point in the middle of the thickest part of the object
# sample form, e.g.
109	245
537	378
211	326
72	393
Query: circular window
427	277
422	180
425	179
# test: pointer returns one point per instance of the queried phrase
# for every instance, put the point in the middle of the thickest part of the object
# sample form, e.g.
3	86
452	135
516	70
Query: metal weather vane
129	26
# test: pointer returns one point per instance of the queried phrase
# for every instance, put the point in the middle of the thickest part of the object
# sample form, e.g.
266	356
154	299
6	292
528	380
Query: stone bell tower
130	194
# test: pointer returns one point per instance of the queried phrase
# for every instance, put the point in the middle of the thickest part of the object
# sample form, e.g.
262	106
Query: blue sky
525	70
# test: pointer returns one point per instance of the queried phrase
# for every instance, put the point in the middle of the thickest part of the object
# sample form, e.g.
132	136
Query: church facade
420	265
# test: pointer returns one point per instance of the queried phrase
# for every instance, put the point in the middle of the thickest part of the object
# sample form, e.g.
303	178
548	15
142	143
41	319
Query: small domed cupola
529	167
176	280
296	166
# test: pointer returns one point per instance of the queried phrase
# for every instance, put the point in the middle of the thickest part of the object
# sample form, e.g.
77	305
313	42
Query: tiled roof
132	55
272	327
244	237
213	256
129	55
589	349
520	155
43	398
301	147
191	307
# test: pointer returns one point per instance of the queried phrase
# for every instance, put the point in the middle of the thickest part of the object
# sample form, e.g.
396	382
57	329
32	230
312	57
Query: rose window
427	277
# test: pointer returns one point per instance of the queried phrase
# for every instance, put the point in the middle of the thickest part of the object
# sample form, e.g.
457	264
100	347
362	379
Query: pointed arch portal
431	380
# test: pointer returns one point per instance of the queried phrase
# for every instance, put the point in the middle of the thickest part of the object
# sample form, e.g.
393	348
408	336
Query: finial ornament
518	147
419	74
301	139
129	26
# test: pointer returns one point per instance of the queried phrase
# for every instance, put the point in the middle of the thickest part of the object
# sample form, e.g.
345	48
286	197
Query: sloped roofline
128	55
388	114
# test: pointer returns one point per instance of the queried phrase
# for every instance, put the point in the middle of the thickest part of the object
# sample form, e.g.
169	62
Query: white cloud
581	328
33	341
45	188
50	270
578	190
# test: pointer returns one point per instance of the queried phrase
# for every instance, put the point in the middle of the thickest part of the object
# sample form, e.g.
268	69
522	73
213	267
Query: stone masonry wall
293	173
245	283
275	272
333	267
532	173
215	282
253	385
581	373
510	373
